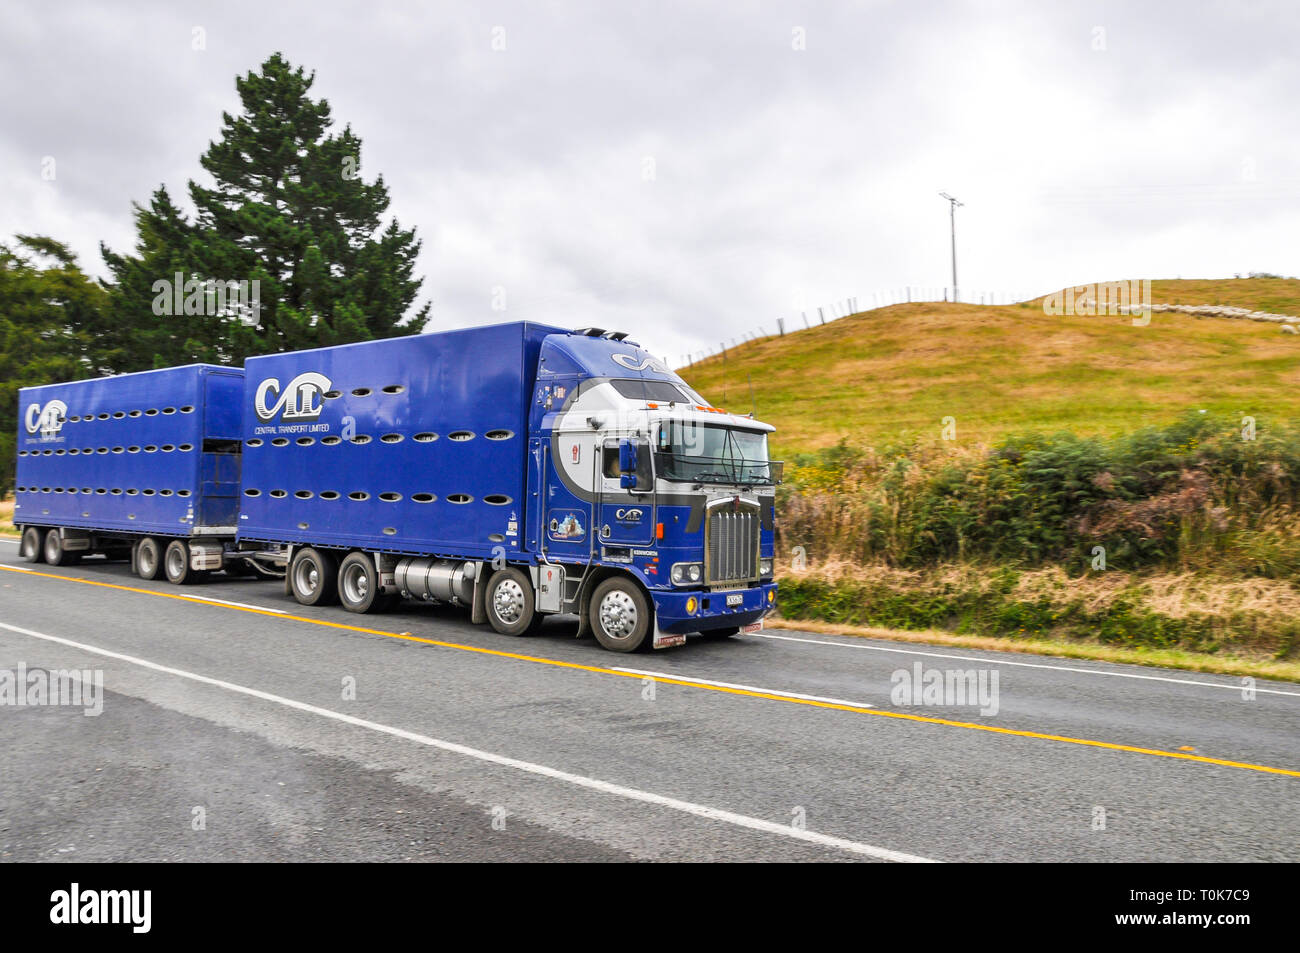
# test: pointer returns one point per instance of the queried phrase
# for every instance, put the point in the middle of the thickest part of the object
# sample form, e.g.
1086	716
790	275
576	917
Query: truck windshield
706	453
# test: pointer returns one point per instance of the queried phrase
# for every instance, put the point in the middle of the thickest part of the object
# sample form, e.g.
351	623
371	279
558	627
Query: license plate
753	627
735	598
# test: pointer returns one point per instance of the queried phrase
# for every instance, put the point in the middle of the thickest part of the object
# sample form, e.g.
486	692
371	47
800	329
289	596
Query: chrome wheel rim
508	601
356	583
175	562
618	615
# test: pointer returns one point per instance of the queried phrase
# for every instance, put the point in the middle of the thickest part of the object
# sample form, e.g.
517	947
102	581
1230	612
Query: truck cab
644	490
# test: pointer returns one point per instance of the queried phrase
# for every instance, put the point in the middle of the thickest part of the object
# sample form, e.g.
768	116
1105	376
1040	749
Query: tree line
287	248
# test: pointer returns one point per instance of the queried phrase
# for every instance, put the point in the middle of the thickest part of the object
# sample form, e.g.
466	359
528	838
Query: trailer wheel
148	558
358	585
176	564
33	546
55	554
511	604
313	577
620	614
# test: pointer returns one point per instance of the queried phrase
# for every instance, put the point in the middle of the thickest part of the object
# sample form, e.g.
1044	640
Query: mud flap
478	604
665	640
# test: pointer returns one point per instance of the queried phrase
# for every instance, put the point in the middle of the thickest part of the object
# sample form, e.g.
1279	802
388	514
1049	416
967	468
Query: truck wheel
313	578
33	548
511	604
148	558
176	564
358	585
620	615
55	554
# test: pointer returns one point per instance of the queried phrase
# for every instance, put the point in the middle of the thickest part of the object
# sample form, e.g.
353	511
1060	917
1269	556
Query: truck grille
731	545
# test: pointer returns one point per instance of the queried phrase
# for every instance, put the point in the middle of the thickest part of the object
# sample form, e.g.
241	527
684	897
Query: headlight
683	573
765	567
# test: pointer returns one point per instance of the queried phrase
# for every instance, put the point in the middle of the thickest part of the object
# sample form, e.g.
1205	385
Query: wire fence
824	314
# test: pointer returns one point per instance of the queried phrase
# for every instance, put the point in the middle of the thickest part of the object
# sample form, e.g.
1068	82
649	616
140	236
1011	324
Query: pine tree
288	210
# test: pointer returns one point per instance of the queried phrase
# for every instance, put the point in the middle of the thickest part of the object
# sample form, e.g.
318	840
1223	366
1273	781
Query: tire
54	552
621	617
358	585
176	565
719	634
511	603
313	578
32	549
148	558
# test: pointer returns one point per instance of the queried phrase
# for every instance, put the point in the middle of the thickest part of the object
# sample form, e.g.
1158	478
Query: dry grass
7	518
894	373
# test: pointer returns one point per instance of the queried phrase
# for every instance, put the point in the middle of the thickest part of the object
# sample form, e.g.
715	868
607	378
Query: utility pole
952	218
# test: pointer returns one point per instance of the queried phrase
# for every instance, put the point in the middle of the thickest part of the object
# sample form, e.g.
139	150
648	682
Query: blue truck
517	469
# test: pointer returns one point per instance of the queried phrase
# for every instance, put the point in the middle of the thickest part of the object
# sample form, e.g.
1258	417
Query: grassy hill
894	373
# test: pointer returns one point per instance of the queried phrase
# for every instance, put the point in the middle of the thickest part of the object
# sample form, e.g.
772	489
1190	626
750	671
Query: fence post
821	315
780	326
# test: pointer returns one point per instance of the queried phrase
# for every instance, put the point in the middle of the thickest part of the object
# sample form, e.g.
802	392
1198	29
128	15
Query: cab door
625	519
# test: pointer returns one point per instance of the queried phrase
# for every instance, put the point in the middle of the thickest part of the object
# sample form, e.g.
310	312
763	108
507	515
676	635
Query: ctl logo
632	515
47	420
632	364
300	400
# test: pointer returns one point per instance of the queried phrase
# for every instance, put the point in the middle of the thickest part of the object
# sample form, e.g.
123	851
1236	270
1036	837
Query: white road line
747	688
242	605
1053	668
528	767
20	568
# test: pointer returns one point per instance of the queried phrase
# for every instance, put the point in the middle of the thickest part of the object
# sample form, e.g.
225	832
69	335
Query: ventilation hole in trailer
119	449
391	438
103	416
361	392
461	436
499	434
101	491
331	441
304	494
279	494
423	497
117	491
59	453
185	447
182	492
87	490
333	394
74	418
151	412
86	450
134	413
22	453
46	453
100	450
390	530
58	489
187	409
46	489
496	538
304	525
132	449
150	449
390	497
497	499
119	415
305	441
169	410
460	498
394	389
146	492
329	495
72	452
280	442
164	492
132	492
255	442
359	496
361	438
252	492
168	448
425	437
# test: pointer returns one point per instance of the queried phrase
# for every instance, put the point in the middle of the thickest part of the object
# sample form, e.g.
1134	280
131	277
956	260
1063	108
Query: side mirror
634	464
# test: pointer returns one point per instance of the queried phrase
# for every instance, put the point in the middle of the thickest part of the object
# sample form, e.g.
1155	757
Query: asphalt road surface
238	725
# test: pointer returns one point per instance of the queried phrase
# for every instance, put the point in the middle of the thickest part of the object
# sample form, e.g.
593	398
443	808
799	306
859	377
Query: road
238	725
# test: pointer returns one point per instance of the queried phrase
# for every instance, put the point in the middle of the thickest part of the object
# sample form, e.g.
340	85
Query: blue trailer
518	469
142	464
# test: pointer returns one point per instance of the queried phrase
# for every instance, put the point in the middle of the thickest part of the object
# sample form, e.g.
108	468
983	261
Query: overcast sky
687	172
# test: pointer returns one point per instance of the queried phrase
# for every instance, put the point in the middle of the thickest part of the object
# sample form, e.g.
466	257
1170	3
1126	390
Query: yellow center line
557	663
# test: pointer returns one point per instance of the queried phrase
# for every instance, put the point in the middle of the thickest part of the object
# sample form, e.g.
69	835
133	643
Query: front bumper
711	609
